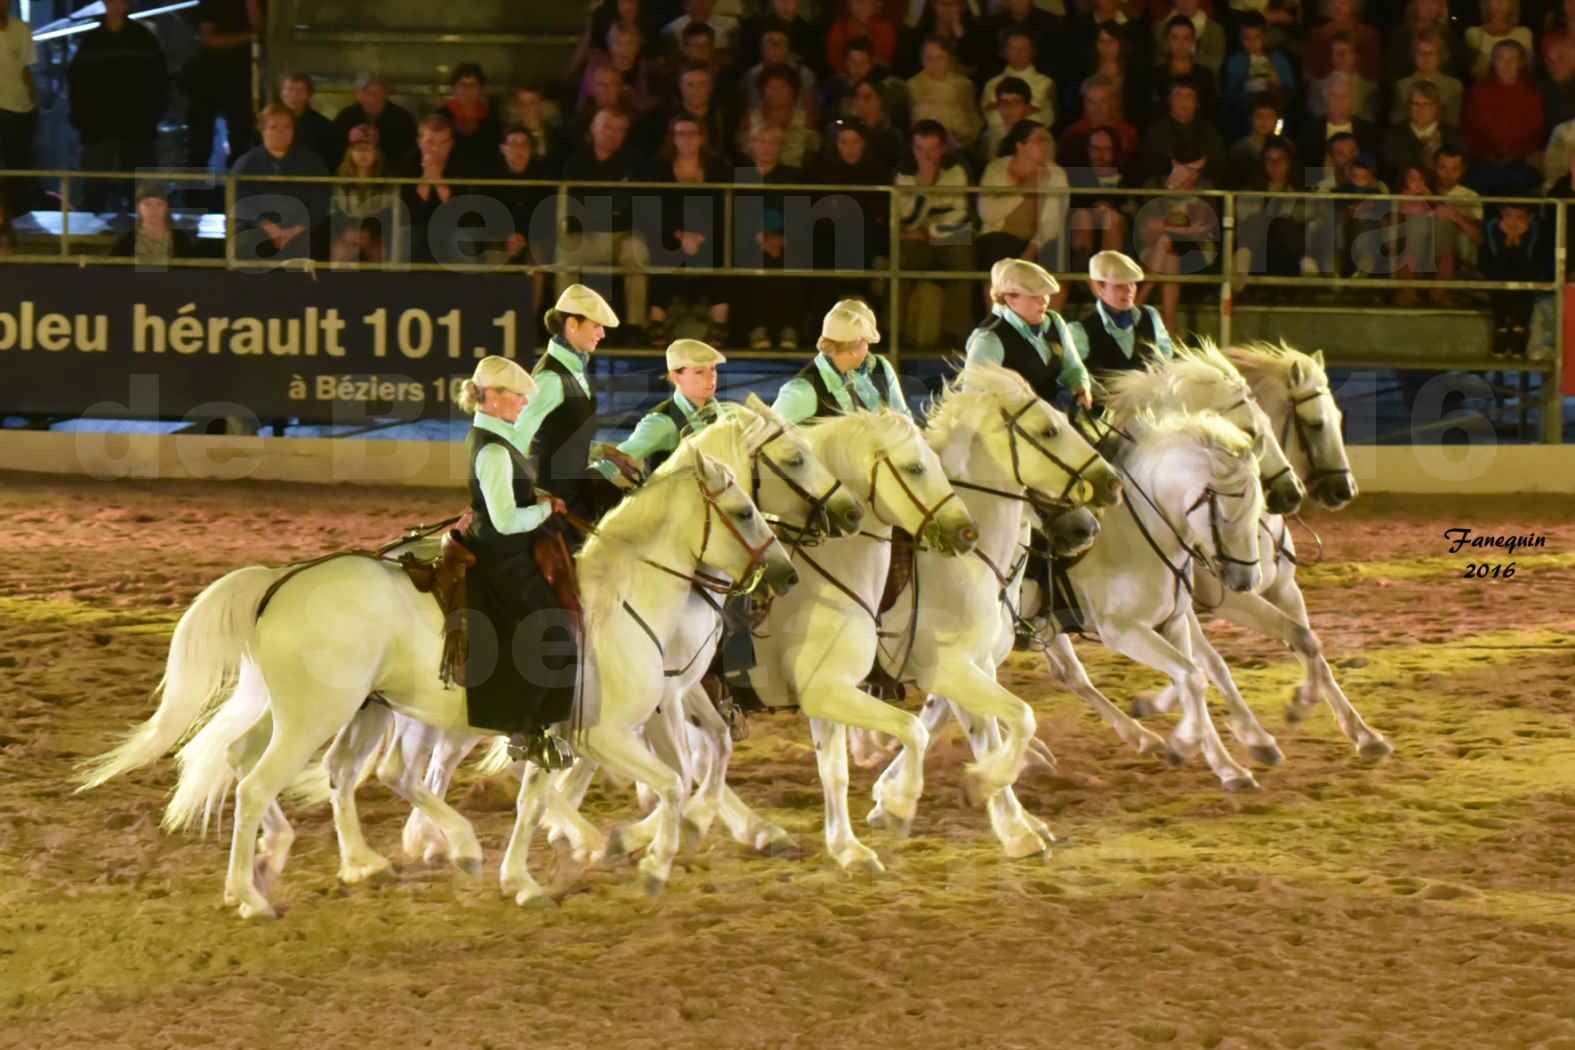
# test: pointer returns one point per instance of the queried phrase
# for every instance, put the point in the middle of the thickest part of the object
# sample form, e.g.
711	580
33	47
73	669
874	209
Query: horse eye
1315	426
745	514
916	469
796	462
1049	432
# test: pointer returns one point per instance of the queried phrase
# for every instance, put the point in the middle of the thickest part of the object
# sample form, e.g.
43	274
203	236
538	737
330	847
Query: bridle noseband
927	514
1316	473
817	519
1014	430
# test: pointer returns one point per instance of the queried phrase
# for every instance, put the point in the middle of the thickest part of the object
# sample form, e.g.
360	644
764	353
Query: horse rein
805	534
1317	473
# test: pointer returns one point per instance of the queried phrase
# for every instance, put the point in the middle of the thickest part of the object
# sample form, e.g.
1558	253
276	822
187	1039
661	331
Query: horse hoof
471	866
618	846
878	817
1174	756
1375	750
1266	754
652	885
534	897
259	909
1143	706
1296	713
1026	846
1244	783
784	848
865	865
350	874
690	836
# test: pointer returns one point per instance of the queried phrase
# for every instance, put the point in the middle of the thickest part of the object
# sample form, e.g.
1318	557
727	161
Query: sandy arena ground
1425	902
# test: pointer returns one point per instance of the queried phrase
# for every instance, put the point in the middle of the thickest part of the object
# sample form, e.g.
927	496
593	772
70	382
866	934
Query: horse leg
563	818
831	756
1244	725
1171	644
514	874
294	740
984	736
352	751
712	745
447	750
1281	613
277	836
932	716
896	793
618	748
403	778
1069	672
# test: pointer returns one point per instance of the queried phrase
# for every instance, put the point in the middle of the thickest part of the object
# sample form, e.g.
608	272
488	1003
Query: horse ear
1298	374
1317	357
755	404
715	476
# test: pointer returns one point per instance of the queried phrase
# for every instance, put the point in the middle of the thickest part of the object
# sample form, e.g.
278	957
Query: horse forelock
839	440
1275	361
979	389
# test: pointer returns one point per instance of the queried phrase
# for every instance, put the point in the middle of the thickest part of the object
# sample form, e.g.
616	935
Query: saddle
881	683
443	577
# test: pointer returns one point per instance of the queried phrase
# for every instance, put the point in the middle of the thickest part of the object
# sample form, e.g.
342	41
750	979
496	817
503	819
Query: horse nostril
968	534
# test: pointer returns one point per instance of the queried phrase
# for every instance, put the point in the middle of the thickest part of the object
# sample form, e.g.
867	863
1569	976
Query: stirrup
542	749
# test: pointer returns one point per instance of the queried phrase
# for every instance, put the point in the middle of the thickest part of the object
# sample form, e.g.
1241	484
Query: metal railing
1226	279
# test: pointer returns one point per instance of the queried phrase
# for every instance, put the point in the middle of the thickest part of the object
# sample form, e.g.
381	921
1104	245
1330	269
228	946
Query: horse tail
204	662
495	759
207	763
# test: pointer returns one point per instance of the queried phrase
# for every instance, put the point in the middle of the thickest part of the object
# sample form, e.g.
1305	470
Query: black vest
1106	355
1020	356
826	403
670	409
562	448
484	537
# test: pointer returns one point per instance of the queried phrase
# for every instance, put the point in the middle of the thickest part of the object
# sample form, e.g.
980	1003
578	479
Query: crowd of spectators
1450	98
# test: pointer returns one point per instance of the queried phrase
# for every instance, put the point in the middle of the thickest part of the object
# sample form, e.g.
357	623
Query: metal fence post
1553	381
1228	270
229	221
894	293
65	215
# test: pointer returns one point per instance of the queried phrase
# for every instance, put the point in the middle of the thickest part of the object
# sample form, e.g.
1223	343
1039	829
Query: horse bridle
1014	430
802	535
927	513
1317	473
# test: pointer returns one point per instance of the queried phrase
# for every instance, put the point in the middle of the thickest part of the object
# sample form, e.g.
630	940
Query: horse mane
1227	446
840	438
1261	359
603	562
1160	382
980	387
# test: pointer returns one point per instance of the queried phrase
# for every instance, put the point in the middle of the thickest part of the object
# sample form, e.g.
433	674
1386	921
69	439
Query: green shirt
986	346
495	473
1126	338
796	401
549	385
656	431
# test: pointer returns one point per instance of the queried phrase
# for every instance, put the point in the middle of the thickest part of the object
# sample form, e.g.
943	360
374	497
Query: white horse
339	631
791	487
998	444
1293	389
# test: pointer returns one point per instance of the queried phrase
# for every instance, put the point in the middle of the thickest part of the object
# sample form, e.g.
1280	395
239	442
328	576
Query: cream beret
501	373
860	307
1114	266
587	303
1021	277
689	353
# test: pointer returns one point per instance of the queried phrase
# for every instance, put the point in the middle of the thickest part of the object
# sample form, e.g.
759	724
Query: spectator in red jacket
1345	16
863	20
1503	124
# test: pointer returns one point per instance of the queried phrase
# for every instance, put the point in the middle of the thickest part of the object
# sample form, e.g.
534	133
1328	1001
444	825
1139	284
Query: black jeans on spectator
17	131
1512	321
213	96
772	303
102	195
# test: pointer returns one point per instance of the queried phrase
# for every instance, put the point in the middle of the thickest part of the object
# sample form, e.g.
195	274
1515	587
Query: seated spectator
1500	20
770	306
1344	17
860	20
1044	27
1111	59
118	88
1340	151
803	40
1245	160
532	209
154	241
1557	82
697	99
1416	250
1272	238
700	12
942	94
639	15
438	164
313	131
530	111
1019	52
1101	109
283	220
1182	68
1079	57
601	226
607	92
698	46
779	107
1423	19
692	225
642	77
776	48
396	128
1361	223
1030	224
937	231
477	132
858	233
1515	247
1254	71
1183	122
1208	36
1459	221
887	143
361	213
1416	142
1178	235
1339	106
1364	92
1012	105
1558	25
952	21
1426	54
1099	221
1503	124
